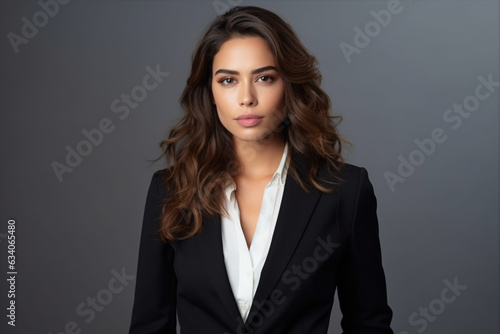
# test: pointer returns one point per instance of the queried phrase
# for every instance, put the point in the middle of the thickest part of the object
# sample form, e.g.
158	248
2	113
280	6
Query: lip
248	116
249	120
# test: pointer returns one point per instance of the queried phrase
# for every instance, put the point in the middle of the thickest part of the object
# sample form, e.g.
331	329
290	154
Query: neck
258	159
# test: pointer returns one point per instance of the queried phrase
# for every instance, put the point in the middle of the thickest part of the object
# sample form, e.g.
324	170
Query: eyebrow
256	71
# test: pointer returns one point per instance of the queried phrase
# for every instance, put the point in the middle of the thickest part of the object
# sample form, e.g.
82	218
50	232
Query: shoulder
352	174
356	197
352	177
355	188
157	187
355	179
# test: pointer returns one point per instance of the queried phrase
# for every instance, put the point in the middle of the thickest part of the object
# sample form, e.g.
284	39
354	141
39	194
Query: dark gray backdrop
399	88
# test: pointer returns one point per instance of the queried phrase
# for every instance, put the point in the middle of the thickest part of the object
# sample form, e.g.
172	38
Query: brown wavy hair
199	150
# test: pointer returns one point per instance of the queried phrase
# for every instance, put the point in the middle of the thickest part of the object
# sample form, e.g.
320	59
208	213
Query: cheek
223	115
222	99
215	95
220	113
276	101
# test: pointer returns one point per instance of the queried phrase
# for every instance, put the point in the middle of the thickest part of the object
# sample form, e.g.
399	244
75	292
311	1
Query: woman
257	220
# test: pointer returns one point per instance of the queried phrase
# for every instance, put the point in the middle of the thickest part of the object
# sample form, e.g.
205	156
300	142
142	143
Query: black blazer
322	242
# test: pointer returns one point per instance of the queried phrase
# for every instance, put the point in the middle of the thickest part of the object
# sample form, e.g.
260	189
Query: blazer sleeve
154	309
361	286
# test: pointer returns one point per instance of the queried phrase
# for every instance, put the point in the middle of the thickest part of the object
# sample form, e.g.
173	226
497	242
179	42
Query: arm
361	286
155	291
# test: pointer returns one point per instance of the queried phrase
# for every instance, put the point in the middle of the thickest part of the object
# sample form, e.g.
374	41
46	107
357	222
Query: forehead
243	53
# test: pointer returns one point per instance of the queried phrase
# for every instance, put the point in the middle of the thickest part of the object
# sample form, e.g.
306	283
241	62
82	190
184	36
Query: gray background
440	224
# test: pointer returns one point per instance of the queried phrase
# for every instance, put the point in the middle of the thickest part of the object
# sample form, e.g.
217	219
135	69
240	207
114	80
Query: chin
261	136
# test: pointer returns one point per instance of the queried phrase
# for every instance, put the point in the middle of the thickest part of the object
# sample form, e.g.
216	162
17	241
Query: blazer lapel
213	260
295	211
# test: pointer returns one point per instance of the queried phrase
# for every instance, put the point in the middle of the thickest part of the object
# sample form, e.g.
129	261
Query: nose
247	96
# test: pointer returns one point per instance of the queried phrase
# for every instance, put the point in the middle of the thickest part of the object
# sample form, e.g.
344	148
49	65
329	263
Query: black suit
322	241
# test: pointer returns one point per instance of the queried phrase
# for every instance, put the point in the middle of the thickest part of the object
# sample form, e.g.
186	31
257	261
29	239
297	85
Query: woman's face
247	89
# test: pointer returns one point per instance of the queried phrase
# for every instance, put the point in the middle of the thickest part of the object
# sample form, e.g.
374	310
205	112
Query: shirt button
249	273
244	306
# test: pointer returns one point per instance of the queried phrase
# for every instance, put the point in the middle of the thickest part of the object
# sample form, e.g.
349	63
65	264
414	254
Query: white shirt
244	265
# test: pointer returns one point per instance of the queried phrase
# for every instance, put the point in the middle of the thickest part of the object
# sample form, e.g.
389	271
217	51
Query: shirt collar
280	174
283	166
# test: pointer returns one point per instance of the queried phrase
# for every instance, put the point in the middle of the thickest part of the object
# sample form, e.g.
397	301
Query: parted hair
199	151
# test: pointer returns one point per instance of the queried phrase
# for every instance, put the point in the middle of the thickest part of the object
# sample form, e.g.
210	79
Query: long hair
199	150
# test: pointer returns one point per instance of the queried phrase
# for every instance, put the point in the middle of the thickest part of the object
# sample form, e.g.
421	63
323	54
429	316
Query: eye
227	81
265	78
